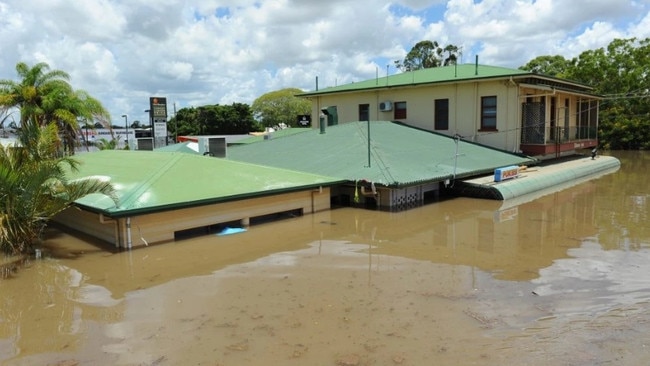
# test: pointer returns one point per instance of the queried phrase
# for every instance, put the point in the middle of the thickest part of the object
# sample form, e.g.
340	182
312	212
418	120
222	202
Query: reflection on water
593	281
378	286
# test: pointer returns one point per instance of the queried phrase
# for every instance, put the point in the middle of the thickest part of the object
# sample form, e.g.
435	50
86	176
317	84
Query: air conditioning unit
386	106
213	146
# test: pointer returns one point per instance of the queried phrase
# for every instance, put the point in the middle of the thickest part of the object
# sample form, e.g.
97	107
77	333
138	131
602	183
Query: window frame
441	114
398	112
364	109
489	113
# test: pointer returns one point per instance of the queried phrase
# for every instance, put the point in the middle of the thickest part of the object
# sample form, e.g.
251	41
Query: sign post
158	114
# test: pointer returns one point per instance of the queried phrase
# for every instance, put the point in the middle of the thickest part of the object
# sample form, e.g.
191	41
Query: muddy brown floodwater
560	280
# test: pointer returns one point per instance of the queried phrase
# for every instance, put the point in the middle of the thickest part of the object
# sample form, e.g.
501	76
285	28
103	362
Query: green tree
37	84
621	73
34	187
44	96
427	54
106	144
452	54
184	122
555	66
137	124
280	106
236	118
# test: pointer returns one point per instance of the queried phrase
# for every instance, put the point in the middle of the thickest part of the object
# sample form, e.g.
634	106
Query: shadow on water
57	245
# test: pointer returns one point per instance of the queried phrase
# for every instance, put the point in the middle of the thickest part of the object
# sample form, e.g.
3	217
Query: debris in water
231	230
349	360
241	346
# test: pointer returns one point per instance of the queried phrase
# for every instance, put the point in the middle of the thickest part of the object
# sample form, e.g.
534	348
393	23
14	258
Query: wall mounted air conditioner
386	106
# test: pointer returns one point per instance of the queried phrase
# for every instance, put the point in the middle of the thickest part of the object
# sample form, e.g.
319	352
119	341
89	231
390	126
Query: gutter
213	200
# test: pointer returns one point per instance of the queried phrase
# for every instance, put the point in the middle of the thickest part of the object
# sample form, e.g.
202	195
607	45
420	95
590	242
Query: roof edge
208	201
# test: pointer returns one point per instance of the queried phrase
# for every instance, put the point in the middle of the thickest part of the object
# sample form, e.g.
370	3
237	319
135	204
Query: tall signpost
158	114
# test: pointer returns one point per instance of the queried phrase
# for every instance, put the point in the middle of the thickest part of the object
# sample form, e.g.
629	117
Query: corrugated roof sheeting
464	72
399	155
149	181
452	74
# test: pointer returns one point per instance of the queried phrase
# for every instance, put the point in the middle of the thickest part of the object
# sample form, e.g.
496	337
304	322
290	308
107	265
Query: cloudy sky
197	52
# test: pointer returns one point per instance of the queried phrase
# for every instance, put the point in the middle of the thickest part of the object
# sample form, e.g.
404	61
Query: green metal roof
452	74
149	181
399	155
444	74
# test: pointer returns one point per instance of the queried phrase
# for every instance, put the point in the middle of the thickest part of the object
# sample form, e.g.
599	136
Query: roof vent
386	106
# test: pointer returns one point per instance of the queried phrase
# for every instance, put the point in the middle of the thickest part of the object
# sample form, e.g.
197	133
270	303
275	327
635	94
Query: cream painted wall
89	223
464	108
160	227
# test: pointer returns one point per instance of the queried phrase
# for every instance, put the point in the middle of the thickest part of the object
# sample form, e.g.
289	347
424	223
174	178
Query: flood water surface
558	280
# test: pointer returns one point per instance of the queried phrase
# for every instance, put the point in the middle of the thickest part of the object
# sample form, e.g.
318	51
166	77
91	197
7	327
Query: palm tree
45	97
28	94
67	108
34	187
104	144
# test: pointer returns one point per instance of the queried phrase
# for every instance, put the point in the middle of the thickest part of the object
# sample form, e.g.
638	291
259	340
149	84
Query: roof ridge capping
443	74
440	74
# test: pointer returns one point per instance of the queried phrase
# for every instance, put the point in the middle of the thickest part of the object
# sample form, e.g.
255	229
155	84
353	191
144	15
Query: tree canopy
427	54
555	66
34	186
620	73
280	106
33	182
236	118
44	96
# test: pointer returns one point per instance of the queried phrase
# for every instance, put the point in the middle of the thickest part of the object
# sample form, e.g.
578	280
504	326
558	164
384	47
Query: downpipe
129	244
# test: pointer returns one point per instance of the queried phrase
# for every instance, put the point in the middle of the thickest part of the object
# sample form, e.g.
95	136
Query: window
364	112
441	114
489	113
400	110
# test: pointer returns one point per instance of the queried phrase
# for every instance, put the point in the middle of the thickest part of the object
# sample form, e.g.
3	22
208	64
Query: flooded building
387	165
165	195
509	109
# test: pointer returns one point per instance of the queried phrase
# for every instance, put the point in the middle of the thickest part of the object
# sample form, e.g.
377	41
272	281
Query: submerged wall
161	227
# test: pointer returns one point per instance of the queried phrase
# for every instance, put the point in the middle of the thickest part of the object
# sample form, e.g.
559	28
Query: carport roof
150	181
395	154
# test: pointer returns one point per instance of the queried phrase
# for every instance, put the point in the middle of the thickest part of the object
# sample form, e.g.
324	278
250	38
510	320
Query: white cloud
224	51
177	70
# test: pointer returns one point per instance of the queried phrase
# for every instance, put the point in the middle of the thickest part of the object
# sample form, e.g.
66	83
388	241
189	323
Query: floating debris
231	230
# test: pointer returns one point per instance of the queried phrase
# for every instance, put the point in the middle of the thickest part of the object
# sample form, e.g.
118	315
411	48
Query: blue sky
223	51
